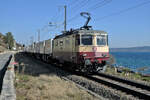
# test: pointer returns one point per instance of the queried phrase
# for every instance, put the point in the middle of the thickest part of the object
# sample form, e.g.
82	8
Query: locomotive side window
86	39
61	43
101	40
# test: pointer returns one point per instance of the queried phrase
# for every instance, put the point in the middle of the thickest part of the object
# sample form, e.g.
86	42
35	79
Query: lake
133	60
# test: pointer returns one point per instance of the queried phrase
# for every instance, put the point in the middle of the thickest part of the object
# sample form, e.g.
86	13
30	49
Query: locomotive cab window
101	40
86	40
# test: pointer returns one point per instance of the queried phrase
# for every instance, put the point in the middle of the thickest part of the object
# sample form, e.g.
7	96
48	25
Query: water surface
133	60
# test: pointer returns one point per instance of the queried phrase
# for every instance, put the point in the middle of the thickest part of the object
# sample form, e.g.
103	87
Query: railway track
130	87
139	90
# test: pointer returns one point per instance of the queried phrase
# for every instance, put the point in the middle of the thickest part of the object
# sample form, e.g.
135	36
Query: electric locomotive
82	49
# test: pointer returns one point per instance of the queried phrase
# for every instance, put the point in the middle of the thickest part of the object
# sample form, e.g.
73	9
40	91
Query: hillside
131	49
3	46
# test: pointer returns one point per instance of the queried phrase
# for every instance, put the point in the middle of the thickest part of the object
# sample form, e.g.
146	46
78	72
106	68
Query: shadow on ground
31	66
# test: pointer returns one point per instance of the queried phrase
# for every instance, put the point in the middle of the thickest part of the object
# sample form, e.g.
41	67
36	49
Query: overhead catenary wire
73	2
78	14
96	6
78	8
79	5
124	10
56	24
99	4
57	15
48	28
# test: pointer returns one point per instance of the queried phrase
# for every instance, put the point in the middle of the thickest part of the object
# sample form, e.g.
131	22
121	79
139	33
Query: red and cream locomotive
82	49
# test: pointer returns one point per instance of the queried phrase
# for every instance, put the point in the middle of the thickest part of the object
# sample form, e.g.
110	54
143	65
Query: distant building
15	47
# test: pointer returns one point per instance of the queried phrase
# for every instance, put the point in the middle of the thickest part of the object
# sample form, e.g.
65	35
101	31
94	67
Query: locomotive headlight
84	55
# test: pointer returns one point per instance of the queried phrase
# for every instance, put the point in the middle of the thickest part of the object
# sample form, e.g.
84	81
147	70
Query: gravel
38	80
100	89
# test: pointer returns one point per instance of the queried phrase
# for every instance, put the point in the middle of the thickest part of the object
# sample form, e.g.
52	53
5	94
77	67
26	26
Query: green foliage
126	70
111	60
146	79
142	68
9	40
135	76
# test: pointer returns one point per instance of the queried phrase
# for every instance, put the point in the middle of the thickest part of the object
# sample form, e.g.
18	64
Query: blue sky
129	28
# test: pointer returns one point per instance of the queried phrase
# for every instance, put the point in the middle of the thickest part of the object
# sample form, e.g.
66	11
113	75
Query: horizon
129	47
127	22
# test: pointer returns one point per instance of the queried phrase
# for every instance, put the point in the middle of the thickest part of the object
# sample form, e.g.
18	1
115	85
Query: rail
128	86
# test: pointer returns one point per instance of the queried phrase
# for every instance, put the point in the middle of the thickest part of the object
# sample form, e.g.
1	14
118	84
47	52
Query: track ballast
139	90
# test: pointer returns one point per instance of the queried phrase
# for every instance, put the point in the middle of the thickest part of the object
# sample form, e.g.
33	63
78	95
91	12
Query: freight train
82	49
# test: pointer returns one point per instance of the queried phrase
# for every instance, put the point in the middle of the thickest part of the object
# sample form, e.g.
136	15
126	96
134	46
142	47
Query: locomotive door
73	49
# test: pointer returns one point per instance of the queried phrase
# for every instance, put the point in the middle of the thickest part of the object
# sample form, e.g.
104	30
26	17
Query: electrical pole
31	39
38	35
35	37
65	19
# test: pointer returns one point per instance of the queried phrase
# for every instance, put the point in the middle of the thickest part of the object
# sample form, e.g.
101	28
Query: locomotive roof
79	31
92	31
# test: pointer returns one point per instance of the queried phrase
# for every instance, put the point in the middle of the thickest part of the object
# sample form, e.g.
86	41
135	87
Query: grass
126	73
37	82
47	87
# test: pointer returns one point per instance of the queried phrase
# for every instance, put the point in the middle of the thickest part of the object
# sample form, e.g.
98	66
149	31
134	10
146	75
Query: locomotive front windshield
101	40
86	40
